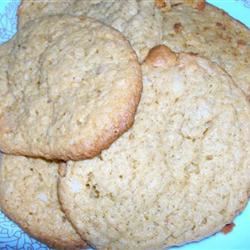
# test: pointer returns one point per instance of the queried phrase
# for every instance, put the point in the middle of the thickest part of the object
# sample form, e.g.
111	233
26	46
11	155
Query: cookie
180	174
28	195
211	33
74	85
5	49
139	20
32	9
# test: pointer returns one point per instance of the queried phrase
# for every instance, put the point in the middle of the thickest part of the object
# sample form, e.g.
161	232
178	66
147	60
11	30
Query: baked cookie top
32	9
5	49
211	33
139	20
74	86
28	195
179	174
182	25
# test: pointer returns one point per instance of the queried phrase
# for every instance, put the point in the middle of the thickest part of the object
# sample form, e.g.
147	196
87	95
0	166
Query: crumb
228	228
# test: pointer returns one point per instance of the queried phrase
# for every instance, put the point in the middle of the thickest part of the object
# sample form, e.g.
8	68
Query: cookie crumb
178	27
161	56
228	228
160	3
200	5
241	42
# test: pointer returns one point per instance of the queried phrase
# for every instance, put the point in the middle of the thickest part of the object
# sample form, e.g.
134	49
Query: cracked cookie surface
179	174
73	86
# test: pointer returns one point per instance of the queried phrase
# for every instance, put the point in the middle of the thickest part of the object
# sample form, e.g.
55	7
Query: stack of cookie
124	124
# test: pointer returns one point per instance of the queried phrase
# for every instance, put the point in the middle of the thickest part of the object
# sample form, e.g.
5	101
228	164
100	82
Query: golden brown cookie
211	33
180	174
73	88
139	20
28	195
32	9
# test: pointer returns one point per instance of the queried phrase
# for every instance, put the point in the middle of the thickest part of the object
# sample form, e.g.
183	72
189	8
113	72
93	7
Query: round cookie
211	33
139	20
28	195
179	174
74	85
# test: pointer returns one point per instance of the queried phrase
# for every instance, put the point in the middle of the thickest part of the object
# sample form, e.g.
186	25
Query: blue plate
12	237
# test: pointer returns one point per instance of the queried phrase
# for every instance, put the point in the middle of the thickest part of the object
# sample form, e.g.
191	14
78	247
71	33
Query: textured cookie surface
209	32
74	85
179	174
167	5
138	20
28	195
213	34
32	9
5	49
